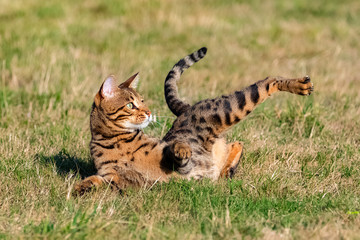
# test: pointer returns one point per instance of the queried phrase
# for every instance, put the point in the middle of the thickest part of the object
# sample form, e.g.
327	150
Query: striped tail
173	101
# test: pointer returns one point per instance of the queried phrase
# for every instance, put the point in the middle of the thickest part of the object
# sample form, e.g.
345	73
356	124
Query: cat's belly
219	153
210	166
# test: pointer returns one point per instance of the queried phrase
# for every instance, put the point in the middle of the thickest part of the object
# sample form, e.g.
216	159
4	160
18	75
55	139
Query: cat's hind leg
232	160
88	183
97	180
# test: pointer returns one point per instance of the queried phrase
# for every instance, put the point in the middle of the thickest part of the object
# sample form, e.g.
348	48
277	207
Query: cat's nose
148	113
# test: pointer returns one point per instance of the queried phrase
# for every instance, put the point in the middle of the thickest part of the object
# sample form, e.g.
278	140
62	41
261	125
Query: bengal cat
193	148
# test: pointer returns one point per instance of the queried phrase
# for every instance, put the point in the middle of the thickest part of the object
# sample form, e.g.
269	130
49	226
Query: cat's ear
109	87
132	82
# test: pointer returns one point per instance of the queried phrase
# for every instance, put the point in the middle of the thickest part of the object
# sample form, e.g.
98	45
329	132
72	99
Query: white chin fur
139	126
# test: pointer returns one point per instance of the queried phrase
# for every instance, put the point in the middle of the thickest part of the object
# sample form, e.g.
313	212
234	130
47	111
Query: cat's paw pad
304	86
182	150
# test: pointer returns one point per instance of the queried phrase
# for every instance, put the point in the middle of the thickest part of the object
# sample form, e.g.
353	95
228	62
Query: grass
299	177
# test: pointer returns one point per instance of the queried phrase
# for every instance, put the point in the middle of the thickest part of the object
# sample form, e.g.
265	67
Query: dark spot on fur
254	93
153	146
170	75
227	118
227	105
184	123
202	120
146	153
104	146
210	130
193	118
202	52
133	137
141	146
208	106
240	98
169	98
199	129
201	138
181	63
215	118
106	174
107	162
169	138
183	131
192	57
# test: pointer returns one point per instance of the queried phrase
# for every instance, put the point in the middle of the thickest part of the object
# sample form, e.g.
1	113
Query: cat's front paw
182	150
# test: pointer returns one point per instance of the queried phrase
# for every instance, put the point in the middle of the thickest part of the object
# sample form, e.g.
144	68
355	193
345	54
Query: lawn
300	175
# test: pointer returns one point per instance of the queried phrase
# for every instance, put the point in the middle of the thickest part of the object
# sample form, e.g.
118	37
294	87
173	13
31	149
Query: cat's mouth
142	125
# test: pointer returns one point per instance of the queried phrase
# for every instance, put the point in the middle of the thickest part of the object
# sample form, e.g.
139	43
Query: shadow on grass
66	163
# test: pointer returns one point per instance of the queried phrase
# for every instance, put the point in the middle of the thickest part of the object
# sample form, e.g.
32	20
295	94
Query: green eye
130	105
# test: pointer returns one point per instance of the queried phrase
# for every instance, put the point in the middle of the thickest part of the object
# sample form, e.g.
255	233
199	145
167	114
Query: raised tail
176	105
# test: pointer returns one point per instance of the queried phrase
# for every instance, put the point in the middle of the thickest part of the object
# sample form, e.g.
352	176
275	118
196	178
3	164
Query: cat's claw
303	86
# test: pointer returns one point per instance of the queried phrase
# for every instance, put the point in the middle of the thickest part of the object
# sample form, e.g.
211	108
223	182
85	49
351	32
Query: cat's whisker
169	117
153	122
165	116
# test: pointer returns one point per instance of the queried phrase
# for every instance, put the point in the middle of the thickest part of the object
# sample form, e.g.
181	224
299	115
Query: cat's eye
130	105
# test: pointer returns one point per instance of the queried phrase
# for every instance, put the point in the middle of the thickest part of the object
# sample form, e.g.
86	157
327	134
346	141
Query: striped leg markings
221	113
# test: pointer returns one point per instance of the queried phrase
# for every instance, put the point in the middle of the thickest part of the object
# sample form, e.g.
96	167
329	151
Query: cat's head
121	104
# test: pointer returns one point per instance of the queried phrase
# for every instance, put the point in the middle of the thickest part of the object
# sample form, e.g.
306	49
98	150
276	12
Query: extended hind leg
96	180
88	183
233	159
